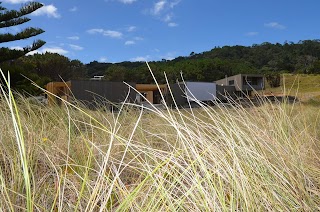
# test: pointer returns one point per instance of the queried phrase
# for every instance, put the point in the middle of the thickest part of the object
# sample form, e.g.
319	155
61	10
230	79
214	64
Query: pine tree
10	18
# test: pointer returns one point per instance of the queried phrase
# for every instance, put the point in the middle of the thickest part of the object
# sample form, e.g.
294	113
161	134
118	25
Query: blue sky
148	30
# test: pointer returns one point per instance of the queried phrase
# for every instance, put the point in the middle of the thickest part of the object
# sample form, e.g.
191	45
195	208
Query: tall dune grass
217	158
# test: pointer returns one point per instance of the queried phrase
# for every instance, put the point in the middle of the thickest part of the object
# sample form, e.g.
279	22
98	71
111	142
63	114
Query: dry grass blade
217	158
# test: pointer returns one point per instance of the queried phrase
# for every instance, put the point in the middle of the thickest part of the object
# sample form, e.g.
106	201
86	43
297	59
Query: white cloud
58	50
122	1
74	38
172	24
15	1
138	38
167	18
169	56
49	10
76	47
94	31
275	25
131	28
53	49
127	1
163	10
164	5
158	7
103	59
108	33
74	9
129	42
174	3
140	58
16	47
112	34
252	33
133	41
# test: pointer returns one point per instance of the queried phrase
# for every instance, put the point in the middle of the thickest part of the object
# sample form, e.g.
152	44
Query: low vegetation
305	87
217	158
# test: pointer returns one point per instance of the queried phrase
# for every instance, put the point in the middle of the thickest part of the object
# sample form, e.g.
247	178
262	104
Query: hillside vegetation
305	87
265	58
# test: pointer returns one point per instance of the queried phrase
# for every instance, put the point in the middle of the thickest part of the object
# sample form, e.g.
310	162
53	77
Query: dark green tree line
41	69
269	59
266	58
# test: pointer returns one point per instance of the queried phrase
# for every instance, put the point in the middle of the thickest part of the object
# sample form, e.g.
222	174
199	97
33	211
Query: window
245	81
250	80
231	82
254	80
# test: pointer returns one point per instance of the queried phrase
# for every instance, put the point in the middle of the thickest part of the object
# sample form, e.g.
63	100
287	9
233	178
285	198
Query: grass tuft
258	158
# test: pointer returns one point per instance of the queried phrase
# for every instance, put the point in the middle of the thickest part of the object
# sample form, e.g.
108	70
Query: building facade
243	82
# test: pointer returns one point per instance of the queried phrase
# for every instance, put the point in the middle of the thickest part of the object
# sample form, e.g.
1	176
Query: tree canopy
41	69
266	58
9	18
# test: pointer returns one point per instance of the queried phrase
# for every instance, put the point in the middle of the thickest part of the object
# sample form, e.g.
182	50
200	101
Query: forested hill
266	58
